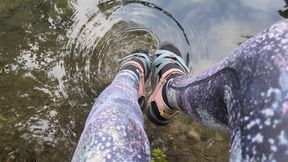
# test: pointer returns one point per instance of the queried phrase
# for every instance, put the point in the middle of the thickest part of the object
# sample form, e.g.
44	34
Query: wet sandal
158	112
142	69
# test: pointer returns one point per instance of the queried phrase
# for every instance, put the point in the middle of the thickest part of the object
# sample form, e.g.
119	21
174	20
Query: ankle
164	95
133	68
164	89
168	67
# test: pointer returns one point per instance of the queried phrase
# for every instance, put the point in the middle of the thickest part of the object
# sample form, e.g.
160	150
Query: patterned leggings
247	94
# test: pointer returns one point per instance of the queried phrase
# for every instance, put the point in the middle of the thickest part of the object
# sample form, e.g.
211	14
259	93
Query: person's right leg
246	93
114	130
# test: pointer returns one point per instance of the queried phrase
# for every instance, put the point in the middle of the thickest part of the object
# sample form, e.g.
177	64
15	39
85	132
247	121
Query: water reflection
57	56
284	13
31	102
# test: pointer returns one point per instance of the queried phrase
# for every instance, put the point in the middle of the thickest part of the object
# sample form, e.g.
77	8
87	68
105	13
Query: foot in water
140	63
167	64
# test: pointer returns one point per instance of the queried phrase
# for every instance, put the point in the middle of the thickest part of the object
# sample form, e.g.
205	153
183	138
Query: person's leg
114	129
246	93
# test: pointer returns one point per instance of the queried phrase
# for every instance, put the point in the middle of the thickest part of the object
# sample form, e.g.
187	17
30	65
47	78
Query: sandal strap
170	57
163	58
165	111
144	58
143	72
141	91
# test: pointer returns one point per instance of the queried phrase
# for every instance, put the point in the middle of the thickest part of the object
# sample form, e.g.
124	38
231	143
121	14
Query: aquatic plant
158	155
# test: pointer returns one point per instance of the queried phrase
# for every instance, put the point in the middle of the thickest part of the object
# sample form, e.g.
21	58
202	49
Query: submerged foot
167	64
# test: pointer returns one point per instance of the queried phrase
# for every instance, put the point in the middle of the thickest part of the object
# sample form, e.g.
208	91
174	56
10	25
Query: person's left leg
114	129
246	92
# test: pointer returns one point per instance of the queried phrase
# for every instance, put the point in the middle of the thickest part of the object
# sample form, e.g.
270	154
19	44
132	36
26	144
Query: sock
133	68
169	47
164	93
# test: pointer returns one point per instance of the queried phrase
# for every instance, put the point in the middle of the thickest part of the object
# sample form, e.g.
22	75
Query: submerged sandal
143	69
158	112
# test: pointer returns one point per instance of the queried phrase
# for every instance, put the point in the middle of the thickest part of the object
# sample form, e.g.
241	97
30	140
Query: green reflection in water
32	42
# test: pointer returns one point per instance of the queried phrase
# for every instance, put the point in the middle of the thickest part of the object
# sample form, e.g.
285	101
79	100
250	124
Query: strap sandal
143	72
158	112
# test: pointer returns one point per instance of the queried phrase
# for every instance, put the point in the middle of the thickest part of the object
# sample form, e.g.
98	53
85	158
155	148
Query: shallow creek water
56	56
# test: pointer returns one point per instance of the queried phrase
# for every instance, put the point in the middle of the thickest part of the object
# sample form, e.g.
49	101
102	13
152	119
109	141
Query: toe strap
163	58
144	58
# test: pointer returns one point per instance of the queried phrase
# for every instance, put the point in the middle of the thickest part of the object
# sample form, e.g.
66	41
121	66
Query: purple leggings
246	94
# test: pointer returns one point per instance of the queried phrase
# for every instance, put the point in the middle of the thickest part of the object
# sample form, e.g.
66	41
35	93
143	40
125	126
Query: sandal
158	112
143	69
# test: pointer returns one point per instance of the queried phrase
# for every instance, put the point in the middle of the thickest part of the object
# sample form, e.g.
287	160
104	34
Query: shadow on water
57	56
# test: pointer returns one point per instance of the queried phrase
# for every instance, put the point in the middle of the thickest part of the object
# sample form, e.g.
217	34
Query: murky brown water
56	56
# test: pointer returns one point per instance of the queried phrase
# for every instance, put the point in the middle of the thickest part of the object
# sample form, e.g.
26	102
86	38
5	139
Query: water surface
57	56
